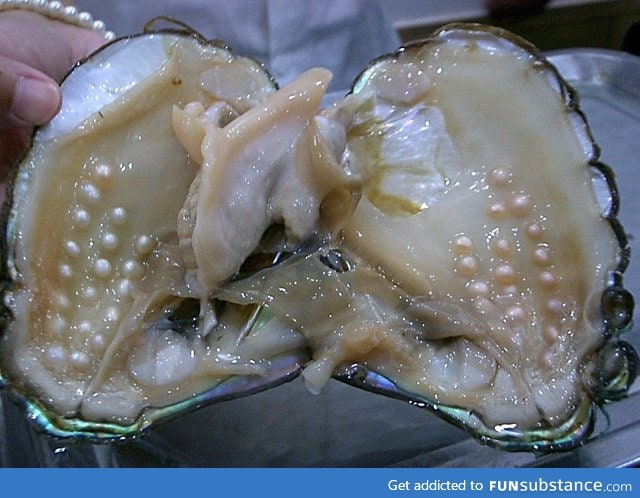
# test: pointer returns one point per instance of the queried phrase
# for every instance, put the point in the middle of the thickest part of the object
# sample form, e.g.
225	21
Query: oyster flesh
444	235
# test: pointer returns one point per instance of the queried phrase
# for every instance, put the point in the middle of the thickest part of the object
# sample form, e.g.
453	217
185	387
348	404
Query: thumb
27	96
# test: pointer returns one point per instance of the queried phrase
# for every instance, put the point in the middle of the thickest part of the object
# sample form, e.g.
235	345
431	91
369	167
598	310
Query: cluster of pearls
97	269
60	12
493	281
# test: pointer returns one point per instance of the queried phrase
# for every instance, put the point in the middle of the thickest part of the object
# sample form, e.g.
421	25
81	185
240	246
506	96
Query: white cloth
287	36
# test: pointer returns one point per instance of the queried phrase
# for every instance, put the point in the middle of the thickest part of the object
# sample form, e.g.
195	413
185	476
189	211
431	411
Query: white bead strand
59	12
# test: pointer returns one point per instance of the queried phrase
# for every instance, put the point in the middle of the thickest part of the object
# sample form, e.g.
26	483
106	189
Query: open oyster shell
502	228
185	232
102	332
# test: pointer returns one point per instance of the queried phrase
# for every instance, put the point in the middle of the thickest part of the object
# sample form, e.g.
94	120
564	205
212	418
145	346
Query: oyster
103	330
444	234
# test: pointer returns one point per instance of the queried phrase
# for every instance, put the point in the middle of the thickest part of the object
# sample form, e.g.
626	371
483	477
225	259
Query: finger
27	96
49	46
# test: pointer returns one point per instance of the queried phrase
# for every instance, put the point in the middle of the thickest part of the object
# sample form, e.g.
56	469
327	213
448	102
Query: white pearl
62	301
119	216
535	230
500	176
132	269
70	11
65	271
56	355
102	268
541	256
467	266
501	247
72	248
80	360
85	19
497	211
104	175
109	240
547	279
515	314
554	307
85	327
54	9
90	293
520	205
478	288
505	274
98	343
91	193
112	314
57	325
81	218
144	245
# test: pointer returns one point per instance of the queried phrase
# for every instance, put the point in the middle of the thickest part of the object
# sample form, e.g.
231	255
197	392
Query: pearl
478	288
467	266
56	355
62	302
97	343
102	268
90	293
57	325
104	175
463	244
144	245
112	314
547	280
541	256
109	240
497	211
119	216
81	218
520	205
535	230
500	177
90	193
505	274
501	247
72	248
132	269
554	307
515	314
85	327
65	271
80	360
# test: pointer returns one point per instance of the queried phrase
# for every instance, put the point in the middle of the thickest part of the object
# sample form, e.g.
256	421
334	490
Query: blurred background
549	25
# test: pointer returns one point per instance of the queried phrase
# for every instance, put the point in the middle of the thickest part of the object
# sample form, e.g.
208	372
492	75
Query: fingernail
35	101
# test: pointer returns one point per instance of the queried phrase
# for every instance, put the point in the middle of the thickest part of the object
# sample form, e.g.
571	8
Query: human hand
35	55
